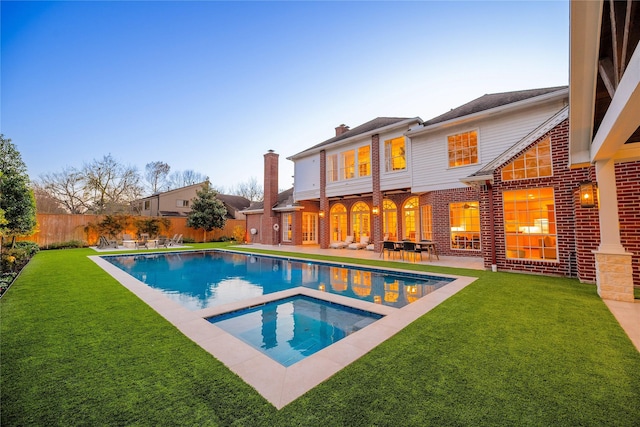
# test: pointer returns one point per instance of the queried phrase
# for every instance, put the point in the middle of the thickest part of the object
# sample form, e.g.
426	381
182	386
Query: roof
489	101
237	202
371	125
285	198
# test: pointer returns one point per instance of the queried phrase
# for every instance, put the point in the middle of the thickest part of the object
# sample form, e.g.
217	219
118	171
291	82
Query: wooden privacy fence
60	228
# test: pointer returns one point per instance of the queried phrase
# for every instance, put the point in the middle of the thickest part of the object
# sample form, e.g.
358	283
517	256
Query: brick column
269	217
324	222
376	220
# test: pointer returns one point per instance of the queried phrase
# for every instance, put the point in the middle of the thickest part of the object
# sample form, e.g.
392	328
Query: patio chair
409	247
163	241
389	247
364	241
176	240
342	245
142	242
104	243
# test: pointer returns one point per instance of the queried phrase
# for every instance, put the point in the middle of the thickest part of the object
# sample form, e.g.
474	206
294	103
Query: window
394	154
338	217
182	203
463	149
426	228
390	219
360	220
464	219
530	224
147	205
364	161
534	163
332	168
410	210
287	226
348	164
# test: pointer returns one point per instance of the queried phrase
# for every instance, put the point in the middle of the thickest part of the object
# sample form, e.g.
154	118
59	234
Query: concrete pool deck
278	384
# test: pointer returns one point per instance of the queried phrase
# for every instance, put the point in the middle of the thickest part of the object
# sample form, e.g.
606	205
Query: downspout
492	230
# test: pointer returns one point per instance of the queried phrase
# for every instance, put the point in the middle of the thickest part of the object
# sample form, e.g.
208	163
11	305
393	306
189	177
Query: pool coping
278	384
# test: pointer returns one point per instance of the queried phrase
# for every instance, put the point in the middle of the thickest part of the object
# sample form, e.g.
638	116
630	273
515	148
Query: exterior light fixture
587	193
321	214
375	210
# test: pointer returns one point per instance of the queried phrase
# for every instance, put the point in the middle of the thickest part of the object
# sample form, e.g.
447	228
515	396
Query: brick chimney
341	129
270	182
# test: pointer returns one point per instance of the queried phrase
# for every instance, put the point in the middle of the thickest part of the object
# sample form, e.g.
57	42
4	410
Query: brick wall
628	183
571	219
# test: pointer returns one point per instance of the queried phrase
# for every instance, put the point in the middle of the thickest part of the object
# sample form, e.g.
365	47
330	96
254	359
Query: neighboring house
178	203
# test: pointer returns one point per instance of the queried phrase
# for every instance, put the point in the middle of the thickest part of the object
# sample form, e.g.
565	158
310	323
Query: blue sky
211	86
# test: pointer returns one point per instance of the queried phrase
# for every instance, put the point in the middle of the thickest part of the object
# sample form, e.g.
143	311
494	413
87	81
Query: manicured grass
510	349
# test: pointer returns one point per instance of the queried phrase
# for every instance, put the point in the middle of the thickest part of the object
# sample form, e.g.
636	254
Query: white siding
495	135
307	178
396	179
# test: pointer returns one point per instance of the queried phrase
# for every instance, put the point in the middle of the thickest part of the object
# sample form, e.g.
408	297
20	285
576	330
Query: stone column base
614	276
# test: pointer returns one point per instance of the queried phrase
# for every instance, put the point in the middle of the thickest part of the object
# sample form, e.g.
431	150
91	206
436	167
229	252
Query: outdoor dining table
403	247
430	247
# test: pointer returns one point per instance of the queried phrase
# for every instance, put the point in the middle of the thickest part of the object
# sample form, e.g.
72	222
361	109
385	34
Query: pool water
203	279
290	329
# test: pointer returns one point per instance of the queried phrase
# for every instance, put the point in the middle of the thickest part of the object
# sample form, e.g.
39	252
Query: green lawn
77	348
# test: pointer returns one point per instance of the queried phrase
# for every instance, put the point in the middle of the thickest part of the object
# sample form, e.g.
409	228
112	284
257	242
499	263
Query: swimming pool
203	279
291	329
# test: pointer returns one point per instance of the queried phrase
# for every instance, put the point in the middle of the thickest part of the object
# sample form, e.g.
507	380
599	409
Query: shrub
71	244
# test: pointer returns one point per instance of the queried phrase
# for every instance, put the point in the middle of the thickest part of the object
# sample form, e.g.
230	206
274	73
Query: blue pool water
290	329
203	279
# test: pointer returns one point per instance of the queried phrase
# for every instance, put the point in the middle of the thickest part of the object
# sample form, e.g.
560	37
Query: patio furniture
430	247
128	241
389	247
142	242
364	241
162	241
409	247
176	240
342	245
104	243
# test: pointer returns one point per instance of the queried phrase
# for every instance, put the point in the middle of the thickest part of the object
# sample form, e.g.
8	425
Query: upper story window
463	149
364	160
182	203
147	205
348	164
395	154
534	163
332	168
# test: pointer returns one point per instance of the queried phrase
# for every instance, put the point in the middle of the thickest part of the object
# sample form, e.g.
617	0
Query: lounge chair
143	242
364	241
342	245
176	240
104	243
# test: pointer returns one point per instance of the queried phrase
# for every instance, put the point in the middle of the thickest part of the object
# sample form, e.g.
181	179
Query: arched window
410	210
338	216
390	219
360	221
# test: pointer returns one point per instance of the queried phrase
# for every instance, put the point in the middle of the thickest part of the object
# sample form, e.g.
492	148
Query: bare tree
156	175
249	190
66	188
44	202
111	185
180	179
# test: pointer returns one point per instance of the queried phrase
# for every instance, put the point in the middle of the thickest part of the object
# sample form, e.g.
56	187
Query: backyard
510	349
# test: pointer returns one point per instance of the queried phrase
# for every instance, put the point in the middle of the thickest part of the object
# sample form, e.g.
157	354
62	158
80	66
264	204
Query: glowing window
348	164
338	219
394	154
410	211
530	224
426	224
360	221
463	149
364	161
534	163
332	168
287	226
390	219
464	219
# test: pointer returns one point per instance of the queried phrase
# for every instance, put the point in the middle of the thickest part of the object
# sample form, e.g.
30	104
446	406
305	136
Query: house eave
514	106
351	139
